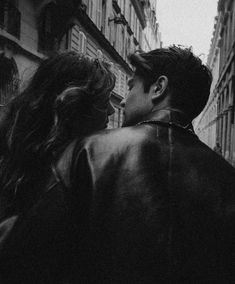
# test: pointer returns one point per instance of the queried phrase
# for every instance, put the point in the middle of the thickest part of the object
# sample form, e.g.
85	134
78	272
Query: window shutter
82	42
90	11
122	84
116	73
99	14
119	82
75	42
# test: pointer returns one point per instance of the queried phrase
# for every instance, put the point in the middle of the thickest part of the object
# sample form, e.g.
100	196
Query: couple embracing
146	203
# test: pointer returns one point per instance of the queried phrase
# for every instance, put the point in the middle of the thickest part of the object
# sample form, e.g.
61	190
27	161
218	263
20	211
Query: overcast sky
187	22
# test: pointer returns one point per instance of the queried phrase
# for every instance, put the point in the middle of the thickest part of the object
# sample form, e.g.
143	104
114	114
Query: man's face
137	104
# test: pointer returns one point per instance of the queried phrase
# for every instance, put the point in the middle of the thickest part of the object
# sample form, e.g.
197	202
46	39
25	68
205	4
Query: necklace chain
169	124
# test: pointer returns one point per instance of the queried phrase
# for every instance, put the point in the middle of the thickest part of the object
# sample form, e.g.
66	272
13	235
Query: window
119	81
137	29
103	21
99	14
99	54
82	42
140	35
9	79
122	43
64	42
90	8
121	84
10	17
119	42
115	120
126	85
74	42
46	33
116	73
114	33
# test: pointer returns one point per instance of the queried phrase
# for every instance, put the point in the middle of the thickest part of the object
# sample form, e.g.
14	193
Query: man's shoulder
118	137
107	141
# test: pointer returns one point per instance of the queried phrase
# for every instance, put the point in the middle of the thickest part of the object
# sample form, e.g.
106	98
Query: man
152	203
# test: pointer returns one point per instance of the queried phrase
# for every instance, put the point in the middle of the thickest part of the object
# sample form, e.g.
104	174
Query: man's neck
168	114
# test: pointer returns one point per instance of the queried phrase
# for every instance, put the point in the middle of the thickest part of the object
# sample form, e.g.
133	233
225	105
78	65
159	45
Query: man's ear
159	88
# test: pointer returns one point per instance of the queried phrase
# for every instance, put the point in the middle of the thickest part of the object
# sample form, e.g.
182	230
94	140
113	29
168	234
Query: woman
67	99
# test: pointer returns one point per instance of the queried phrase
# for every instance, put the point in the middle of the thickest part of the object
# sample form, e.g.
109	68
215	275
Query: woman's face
101	113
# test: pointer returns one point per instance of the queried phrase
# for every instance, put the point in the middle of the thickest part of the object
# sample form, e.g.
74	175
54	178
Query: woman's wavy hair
67	98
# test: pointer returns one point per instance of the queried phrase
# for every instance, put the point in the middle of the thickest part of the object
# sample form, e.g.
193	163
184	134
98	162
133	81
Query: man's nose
123	103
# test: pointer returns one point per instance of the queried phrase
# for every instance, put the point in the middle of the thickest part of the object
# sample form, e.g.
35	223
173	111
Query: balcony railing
10	18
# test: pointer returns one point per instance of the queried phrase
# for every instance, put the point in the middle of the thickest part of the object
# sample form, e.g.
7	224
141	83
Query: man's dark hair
189	79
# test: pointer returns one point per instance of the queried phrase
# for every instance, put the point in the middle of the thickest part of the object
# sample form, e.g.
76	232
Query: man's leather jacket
142	204
153	205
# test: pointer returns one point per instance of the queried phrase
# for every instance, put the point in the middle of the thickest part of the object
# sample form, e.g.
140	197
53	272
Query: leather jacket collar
170	116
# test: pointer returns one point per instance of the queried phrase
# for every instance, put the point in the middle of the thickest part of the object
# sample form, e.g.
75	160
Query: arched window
9	79
10	17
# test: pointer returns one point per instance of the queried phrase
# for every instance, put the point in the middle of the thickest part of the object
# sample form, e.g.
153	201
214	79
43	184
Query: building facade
217	121
206	123
31	30
151	34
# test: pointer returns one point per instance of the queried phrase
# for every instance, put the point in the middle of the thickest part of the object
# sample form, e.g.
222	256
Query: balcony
10	18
